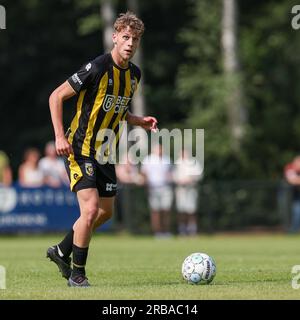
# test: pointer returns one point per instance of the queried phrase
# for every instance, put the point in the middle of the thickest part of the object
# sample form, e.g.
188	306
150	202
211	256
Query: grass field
126	267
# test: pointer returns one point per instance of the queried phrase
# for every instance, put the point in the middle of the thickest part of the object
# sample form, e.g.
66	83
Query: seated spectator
53	167
29	174
5	170
127	174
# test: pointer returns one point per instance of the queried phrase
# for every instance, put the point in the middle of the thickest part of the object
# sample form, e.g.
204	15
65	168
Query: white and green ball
199	268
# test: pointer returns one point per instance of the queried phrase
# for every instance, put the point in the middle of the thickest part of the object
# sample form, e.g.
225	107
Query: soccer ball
199	268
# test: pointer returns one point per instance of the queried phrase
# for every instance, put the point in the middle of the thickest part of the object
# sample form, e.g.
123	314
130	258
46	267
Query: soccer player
105	87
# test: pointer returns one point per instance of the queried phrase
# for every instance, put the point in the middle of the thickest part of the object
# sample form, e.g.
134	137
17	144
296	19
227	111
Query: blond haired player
105	87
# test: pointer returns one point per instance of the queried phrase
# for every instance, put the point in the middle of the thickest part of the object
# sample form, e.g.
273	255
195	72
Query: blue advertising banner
37	209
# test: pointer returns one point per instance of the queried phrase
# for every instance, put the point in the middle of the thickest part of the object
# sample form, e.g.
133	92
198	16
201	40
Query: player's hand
63	147
149	123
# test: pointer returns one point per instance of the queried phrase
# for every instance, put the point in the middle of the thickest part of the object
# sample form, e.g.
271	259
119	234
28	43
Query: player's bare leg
89	206
106	207
88	200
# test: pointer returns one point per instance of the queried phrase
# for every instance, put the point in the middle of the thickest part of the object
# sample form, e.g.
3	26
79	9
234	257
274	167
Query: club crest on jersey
89	169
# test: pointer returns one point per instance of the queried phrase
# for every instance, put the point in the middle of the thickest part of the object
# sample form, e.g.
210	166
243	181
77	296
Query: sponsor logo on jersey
120	103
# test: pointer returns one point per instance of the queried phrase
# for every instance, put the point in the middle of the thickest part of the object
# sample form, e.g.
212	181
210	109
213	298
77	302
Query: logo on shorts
75	176
111	186
89	169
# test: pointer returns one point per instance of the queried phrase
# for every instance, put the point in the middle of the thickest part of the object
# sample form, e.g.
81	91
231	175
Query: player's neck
118	60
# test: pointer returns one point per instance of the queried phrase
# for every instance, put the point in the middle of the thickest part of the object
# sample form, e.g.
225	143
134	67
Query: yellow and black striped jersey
105	92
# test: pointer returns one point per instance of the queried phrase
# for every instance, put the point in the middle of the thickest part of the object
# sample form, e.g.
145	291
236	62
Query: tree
202	86
108	15
235	108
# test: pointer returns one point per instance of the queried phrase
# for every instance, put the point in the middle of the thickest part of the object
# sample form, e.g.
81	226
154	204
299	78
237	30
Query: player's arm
148	123
56	99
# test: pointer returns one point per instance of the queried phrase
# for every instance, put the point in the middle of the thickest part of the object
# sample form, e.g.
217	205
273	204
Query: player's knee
91	215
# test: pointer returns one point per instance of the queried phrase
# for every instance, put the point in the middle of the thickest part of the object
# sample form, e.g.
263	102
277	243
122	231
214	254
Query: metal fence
222	206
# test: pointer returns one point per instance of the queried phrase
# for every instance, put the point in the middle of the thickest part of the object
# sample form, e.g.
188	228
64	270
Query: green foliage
269	51
39	50
202	86
46	41
87	25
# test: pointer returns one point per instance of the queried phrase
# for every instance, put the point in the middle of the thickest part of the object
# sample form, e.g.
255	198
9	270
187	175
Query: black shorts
87	173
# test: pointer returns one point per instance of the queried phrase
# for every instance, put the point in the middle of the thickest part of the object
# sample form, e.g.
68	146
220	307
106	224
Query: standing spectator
29	173
53	167
157	171
127	175
292	175
5	170
186	175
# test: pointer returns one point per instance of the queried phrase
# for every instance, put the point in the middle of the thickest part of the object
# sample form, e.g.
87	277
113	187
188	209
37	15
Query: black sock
66	245
79	260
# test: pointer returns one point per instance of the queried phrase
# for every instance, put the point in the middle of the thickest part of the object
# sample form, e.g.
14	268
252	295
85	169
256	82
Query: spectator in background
5	170
157	171
186	174
127	174
29	173
53	168
292	175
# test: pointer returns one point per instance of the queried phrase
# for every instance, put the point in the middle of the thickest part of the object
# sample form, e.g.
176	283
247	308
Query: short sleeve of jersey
83	77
